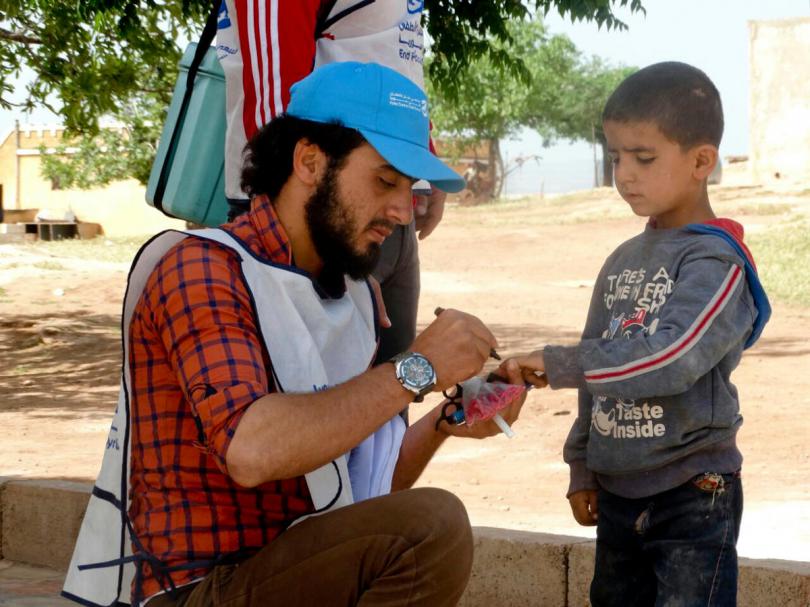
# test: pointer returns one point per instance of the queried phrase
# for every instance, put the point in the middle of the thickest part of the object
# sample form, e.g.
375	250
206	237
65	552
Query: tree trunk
607	165
496	167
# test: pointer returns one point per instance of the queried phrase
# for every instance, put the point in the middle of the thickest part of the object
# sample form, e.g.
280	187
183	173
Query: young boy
653	454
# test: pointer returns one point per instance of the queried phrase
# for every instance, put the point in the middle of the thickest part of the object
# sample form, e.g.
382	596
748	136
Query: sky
710	34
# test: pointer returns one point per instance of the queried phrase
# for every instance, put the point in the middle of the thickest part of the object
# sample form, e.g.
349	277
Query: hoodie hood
733	233
736	231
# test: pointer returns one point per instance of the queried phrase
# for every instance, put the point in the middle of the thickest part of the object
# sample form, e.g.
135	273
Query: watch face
417	371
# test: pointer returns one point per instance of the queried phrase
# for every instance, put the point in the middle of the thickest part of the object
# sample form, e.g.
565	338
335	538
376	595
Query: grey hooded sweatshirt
670	315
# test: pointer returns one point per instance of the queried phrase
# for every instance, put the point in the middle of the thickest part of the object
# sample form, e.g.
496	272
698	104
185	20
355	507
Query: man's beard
332	229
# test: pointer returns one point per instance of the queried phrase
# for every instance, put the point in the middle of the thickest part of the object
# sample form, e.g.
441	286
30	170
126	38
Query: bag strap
323	16
344	13
209	31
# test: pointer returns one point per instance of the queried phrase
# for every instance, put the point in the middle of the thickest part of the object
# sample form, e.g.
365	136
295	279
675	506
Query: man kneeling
248	398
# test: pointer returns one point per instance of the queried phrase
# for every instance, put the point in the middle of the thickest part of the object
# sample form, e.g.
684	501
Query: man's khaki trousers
409	548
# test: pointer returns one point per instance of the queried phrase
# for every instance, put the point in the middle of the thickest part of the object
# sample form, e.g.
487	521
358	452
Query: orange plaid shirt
197	364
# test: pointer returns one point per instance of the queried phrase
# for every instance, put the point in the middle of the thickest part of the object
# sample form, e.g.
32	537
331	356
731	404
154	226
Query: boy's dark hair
678	98
269	153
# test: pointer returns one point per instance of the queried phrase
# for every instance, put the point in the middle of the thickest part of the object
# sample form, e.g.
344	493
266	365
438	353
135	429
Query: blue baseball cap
389	110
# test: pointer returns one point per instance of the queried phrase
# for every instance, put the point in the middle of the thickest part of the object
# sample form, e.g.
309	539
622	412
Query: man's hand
530	367
486	428
489	427
424	437
585	507
429	211
457	345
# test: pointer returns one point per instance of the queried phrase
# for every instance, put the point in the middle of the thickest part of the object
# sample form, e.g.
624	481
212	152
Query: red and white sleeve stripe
277	38
679	347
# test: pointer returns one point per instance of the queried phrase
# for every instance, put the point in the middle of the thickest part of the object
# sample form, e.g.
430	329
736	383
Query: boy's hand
530	367
585	507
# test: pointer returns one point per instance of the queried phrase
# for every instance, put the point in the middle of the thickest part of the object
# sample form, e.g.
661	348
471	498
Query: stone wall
39	521
779	108
120	208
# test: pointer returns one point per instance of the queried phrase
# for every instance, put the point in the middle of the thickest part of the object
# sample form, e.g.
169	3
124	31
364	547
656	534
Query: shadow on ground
59	364
777	347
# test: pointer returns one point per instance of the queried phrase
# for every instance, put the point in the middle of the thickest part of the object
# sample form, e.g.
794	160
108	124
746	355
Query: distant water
563	167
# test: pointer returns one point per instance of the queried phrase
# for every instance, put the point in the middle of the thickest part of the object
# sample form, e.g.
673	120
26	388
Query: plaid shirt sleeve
201	309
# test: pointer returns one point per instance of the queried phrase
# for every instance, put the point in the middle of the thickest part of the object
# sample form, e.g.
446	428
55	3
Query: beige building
780	100
120	208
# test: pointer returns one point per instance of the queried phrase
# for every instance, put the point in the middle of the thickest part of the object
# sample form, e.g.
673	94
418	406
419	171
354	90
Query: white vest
388	32
313	343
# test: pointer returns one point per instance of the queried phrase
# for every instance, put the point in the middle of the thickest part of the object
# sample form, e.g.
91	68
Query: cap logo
408	103
415	6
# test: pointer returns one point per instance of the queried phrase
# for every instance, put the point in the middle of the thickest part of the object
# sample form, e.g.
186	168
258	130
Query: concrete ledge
39	521
517	568
580	571
763	583
3	481
774	582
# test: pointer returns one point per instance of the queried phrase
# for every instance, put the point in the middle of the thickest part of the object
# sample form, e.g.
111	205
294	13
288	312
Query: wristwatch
415	373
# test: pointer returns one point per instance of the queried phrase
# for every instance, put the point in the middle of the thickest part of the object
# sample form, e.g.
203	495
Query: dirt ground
526	268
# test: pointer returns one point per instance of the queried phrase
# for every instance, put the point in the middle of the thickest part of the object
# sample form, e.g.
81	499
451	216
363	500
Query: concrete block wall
580	571
2	484
39	521
536	569
517	568
779	100
762	582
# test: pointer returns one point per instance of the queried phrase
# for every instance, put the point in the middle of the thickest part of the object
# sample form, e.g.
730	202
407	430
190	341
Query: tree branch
6	104
18	37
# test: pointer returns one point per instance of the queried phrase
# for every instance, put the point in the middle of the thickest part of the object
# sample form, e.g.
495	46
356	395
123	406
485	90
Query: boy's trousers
676	548
408	548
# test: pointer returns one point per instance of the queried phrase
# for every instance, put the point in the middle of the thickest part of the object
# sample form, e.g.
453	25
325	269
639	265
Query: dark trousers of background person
676	548
398	275
405	549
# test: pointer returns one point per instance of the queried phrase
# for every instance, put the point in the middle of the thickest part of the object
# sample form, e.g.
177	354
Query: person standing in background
266	46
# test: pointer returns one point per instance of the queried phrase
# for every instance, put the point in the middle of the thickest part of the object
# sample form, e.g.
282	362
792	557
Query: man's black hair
678	98
269	153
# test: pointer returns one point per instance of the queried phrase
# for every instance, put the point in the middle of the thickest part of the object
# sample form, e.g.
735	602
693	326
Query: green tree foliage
94	60
578	113
560	96
117	59
488	103
464	31
112	154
